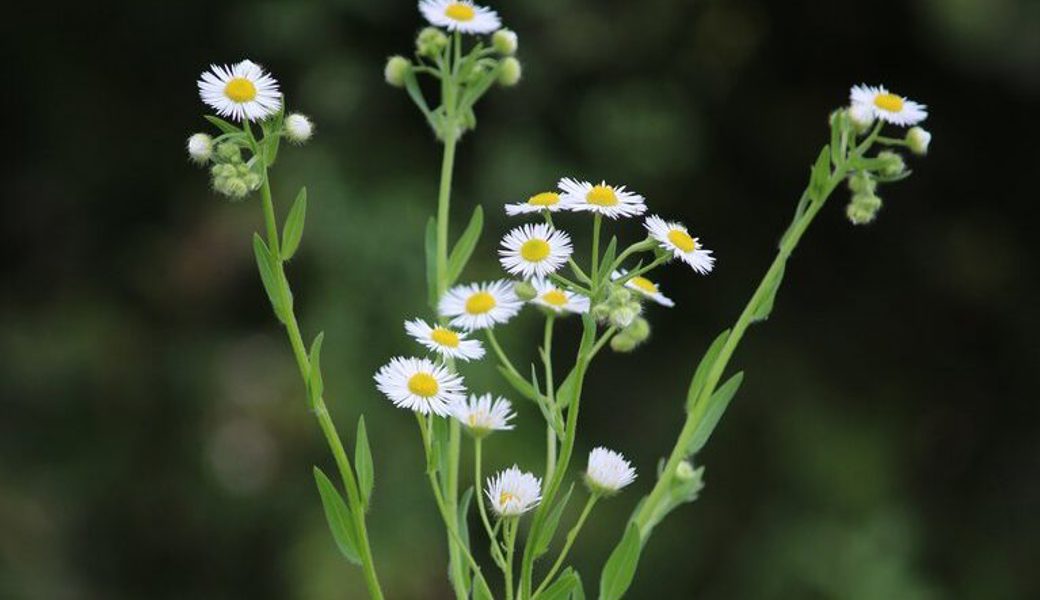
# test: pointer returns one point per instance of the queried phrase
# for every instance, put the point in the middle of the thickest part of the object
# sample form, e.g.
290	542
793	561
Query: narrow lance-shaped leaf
821	173
338	517
716	407
608	259
562	588
315	383
431	262
552	521
520	384
621	566
273	136
460	255
363	463
703	367
223	125
765	306
463	516
268	276
292	231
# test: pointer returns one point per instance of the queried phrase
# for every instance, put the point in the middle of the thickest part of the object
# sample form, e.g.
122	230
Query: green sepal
460	255
702	369
717	405
431	262
292	231
543	538
562	588
621	566
265	262
223	125
763	309
315	383
338	517
363	463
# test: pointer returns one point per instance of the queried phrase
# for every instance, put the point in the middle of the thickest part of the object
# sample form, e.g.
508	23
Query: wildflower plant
605	289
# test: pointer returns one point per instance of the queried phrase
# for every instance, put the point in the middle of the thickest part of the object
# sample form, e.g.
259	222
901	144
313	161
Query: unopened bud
430	42
861	182
504	41
397	68
863	208
525	291
600	312
200	148
509	75
623	316
685	471
229	152
223	170
639	330
298	128
622	343
892	164
232	187
252	181
917	139
620	295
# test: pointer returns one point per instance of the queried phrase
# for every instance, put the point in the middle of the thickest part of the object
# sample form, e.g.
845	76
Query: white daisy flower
462	16
608	471
240	91
480	305
418	384
535	250
298	128
675	238
444	341
644	287
550	201
482	416
512	492
559	300
607	200
877	102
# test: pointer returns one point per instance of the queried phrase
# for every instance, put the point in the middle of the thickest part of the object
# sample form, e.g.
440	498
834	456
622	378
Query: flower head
444	341
504	42
550	201
461	15
608	471
607	200
644	287
870	102
482	416
418	384
200	147
298	128
534	250
512	492
918	139
240	91
396	70
480	305
674	238
558	300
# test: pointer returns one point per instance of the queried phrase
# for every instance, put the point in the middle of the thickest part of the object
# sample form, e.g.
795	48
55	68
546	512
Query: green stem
502	358
510	534
597	222
478	485
571	536
550	394
443	208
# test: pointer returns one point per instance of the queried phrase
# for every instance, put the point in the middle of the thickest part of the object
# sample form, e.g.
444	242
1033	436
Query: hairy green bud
622	343
861	182
504	42
510	72
863	208
622	316
525	291
892	164
601	312
918	139
229	152
430	42
639	330
396	69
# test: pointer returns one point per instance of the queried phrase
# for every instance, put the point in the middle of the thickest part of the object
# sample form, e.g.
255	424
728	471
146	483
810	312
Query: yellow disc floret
480	303
544	199
459	11
889	102
682	240
240	90
423	384
644	284
445	337
555	298
535	250
505	497
602	195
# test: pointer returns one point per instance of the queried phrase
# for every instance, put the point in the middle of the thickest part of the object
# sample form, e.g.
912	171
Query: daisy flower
480	305
240	91
870	102
644	287
444	341
463	16
676	239
550	201
559	300
482	416
512	492
535	250
418	384
608	471
607	200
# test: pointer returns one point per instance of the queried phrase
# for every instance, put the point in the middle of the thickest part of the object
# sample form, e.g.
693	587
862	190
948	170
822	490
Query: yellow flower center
644	284
240	90
460	12
445	337
602	195
505	497
423	384
682	240
555	298
535	250
480	303
889	102
472	419
544	199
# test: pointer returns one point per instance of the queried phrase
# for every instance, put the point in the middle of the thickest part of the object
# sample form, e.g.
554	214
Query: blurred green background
154	441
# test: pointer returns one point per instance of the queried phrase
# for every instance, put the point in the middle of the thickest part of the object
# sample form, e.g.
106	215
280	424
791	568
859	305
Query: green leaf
431	262
520	384
467	496
338	516
765	306
272	136
266	265
363	462
292	231
621	566
702	369
464	247
821	173
315	383
716	406
578	593
223	125
608	259
562	588
481	591
548	529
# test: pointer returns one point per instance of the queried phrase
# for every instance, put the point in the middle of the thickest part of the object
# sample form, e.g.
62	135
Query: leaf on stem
702	369
821	173
363	463
431	262
272	136
338	517
716	407
520	384
266	264
608	259
765	306
543	538
292	231
223	125
464	247
563	588
621	566
315	383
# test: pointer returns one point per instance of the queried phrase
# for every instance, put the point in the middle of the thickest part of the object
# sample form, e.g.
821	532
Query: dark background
153	436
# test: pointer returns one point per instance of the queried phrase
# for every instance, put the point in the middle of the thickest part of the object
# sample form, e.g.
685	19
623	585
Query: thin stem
510	535
571	536
609	333
444	206
550	394
643	270
502	358
597	222
478	484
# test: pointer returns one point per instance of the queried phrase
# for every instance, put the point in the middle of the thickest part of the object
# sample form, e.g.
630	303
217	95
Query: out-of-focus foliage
154	440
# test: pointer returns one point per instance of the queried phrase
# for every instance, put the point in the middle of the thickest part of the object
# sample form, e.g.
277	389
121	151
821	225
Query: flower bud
622	343
861	182
863	208
232	187
623	316
298	128
510	72
430	42
397	68
601	312
620	295
525	291
892	164
223	170
685	471
252	181
917	139
200	148
504	41
229	152
639	330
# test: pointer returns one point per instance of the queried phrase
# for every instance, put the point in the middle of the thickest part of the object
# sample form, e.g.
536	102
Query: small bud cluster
622	310
231	175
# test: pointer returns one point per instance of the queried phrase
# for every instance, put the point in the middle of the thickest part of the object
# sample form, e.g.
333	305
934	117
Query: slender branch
571	536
